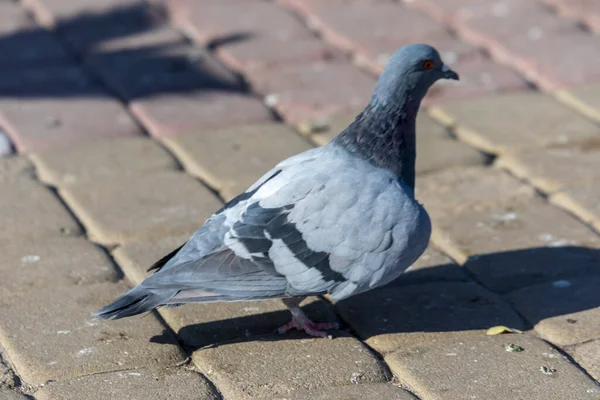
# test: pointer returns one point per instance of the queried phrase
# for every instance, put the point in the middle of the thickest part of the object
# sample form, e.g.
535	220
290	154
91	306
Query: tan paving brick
516	121
29	211
457	189
15	167
584	99
133	384
173	114
565	312
512	244
551	169
588	356
51	334
230	160
435	148
432	266
389	319
68	106
481	368
581	199
8	378
101	158
6	394
51	263
121	208
382	391
200	325
263	369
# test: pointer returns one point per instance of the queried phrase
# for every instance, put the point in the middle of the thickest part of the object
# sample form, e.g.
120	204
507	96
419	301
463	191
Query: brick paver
29	212
268	366
66	341
53	263
395	318
230	160
482	367
98	159
565	312
148	384
129	206
136	113
516	121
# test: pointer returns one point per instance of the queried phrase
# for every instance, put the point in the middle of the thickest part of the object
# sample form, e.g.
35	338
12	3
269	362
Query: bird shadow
129	50
528	285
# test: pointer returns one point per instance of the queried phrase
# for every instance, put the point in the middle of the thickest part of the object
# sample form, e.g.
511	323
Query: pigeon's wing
311	227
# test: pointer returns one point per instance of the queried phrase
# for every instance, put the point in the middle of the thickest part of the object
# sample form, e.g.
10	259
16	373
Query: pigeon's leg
301	322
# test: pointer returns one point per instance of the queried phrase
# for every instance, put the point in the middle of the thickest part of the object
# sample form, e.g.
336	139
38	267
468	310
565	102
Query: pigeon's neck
385	136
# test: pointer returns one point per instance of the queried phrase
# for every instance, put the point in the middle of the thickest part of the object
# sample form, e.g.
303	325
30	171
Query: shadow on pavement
129	47
541	283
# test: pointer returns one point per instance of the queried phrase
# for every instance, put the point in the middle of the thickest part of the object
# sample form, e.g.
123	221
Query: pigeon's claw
312	328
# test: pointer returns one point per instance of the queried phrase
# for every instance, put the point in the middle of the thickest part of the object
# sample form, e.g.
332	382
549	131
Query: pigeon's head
409	74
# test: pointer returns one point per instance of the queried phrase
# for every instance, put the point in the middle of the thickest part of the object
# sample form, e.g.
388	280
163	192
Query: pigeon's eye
428	64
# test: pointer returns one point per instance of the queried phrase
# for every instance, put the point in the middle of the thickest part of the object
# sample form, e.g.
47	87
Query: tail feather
136	301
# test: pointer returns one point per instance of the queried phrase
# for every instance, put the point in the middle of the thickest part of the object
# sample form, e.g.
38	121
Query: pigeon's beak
449	74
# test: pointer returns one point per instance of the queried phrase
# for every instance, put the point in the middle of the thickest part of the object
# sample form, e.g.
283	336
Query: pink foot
311	328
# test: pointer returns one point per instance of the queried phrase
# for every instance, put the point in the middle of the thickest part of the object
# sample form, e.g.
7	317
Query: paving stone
71	9
101	158
517	121
354	392
270	367
168	115
6	394
15	167
493	240
175	67
230	160
69	108
94	23
29	212
565	312
588	355
586	10
120	209
432	266
389	319
53	263
308	92
133	384
555	60
199	325
498	21
558	166
480	367
584	99
8	378
357	25
581	199
266	53
212	21
65	341
456	189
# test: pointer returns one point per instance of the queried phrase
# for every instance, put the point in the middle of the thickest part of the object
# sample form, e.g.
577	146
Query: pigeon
340	219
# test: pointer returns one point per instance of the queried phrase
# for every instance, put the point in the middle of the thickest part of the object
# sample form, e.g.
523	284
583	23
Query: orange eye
428	64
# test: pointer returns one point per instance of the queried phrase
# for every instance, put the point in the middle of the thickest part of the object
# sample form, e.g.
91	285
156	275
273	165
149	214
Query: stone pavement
131	122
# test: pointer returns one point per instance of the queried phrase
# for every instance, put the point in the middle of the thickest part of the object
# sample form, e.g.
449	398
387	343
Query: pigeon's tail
136	301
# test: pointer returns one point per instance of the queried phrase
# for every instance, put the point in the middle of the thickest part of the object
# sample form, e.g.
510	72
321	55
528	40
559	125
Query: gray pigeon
341	219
